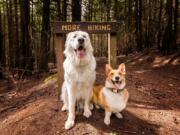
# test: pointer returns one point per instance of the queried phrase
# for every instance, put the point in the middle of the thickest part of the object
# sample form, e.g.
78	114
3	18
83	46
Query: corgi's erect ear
108	68
122	68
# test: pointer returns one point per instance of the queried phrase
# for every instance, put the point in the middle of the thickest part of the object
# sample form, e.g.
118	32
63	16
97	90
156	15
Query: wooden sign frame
61	28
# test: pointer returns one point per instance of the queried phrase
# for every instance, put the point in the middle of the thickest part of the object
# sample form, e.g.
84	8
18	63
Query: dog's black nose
81	40
117	78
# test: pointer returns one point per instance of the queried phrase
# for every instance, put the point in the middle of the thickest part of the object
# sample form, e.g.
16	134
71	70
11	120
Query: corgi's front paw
97	106
69	124
91	106
119	115
107	121
87	114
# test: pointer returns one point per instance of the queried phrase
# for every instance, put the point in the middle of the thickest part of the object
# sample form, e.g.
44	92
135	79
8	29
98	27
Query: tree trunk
91	10
1	47
59	10
148	31
10	33
129	13
26	52
159	26
138	9
64	10
168	37
176	21
45	36
108	9
76	10
89	16
4	30
116	14
16	34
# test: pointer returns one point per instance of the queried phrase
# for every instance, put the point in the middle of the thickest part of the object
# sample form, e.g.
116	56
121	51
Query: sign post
59	47
61	28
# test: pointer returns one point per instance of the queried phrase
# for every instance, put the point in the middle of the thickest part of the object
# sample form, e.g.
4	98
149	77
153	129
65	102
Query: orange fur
100	95
99	99
126	95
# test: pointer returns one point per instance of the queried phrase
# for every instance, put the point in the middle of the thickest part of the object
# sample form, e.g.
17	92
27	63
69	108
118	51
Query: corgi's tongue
80	53
117	85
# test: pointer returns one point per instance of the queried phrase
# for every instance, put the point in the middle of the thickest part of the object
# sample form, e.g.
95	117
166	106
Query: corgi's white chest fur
115	101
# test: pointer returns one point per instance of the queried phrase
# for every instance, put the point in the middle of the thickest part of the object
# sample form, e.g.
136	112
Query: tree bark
76	10
148	29
16	34
176	21
10	33
45	35
64	10
4	30
168	37
59	10
159	26
138	6
108	9
115	17
1	47
129	13
89	10
26	61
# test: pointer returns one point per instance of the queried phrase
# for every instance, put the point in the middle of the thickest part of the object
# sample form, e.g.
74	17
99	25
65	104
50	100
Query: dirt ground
30	107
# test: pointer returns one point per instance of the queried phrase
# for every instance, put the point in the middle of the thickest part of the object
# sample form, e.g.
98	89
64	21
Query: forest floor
31	107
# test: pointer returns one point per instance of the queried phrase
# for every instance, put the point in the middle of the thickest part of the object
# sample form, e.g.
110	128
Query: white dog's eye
84	36
74	36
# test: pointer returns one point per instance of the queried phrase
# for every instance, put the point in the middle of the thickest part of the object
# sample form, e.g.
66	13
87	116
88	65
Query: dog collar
116	90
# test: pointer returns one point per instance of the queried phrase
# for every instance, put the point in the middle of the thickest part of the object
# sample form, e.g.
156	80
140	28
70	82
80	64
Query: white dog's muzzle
80	51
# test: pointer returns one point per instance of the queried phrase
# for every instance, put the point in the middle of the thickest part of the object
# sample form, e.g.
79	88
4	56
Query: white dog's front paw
87	114
119	115
64	108
107	121
69	124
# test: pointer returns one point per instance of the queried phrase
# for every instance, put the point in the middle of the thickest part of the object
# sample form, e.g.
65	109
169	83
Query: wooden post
59	47
109	50
112	49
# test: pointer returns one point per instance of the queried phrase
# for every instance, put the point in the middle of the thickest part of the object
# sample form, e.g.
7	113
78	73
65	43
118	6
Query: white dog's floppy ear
68	37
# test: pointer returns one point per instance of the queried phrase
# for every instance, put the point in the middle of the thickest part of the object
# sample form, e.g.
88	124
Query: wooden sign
90	27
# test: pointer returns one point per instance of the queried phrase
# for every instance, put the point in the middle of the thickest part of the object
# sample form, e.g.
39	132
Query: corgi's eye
111	74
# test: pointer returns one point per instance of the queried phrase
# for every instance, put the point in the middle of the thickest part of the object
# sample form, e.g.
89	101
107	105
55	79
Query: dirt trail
153	108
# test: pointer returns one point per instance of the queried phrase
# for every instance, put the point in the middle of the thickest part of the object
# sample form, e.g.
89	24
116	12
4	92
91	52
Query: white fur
114	100
79	76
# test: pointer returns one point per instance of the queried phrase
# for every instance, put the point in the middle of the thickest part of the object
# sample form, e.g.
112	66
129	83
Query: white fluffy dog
79	67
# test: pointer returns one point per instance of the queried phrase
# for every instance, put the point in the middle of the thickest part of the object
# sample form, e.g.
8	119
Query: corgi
113	96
